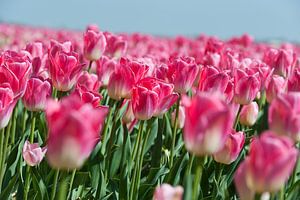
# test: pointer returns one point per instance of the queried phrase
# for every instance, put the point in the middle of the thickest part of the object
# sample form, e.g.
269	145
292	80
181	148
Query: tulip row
132	116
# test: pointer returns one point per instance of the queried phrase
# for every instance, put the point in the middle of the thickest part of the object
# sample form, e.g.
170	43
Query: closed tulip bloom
249	114
128	116
270	162
123	79
182	73
15	69
105	67
64	67
276	86
245	193
232	148
116	45
246	87
36	94
74	129
7	104
94	45
181	117
208	119
294	80
168	192
284	115
88	82
152	97
33	154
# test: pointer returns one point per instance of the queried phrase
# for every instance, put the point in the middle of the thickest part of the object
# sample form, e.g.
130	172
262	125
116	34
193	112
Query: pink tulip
181	117
276	86
105	67
182	73
233	146
270	162
64	67
152	97
33	154
208	119
249	114
88	82
15	69
116	45
94	45
128	116
294	81
167	192
36	94
121	81
7	104
245	193
74	129
284	115
246	87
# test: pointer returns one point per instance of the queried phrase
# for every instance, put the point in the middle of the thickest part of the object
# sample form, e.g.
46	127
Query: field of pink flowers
99	115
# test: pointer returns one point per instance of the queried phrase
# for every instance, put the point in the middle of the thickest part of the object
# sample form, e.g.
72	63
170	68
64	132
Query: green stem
257	196
136	163
90	66
104	132
174	133
71	184
282	192
237	119
53	193
190	164
1	151
24	120
13	130
198	176
54	93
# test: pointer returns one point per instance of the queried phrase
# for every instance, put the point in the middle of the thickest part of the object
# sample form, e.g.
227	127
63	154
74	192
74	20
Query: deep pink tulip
276	86
182	73
15	69
246	87
270	162
88	82
116	45
94	45
7	104
294	81
233	146
36	94
245	193
33	154
208	120
123	79
105	67
168	192
284	115
249	114
152	97
74	129
64	67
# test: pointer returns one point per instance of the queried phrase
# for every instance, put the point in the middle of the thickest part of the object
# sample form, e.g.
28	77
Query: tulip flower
64	67
167	192
94	45
245	193
276	86
270	162
7	104
246	87
15	69
105	67
33	154
182	73
249	114
123	79
74	128
116	45
294	80
152	97
36	94
284	115
208	120
181	117
88	82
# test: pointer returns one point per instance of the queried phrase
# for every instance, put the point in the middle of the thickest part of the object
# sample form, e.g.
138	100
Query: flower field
98	115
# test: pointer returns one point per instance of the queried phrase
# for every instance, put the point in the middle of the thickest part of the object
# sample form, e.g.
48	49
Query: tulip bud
36	94
128	116
246	87
105	67
284	115
181	117
94	45
74	128
167	192
208	119
233	146
33	154
249	114
270	162
276	86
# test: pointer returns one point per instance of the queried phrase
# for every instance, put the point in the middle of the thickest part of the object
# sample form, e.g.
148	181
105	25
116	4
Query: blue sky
264	19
